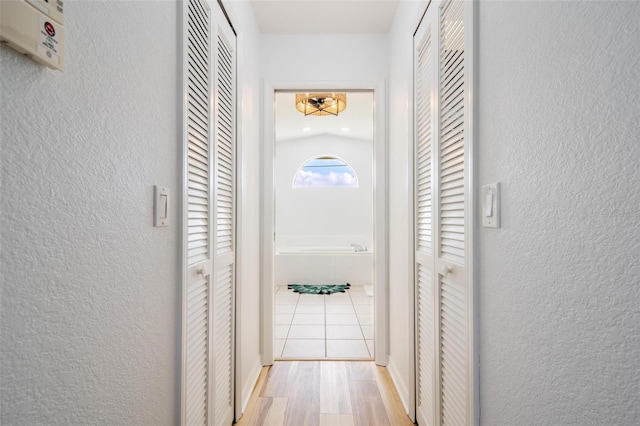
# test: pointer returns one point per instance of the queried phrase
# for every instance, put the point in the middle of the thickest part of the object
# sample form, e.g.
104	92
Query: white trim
248	388
182	11
474	331
403	391
267	227
240	166
380	249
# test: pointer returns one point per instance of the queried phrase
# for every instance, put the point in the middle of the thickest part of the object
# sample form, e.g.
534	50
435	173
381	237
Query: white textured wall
90	290
559	285
400	197
324	216
248	280
293	58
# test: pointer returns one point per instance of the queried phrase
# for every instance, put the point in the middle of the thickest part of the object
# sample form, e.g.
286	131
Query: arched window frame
306	164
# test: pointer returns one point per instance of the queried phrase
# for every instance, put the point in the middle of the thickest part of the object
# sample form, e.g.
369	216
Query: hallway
325	393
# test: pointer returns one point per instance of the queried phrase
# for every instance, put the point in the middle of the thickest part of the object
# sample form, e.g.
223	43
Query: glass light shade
321	103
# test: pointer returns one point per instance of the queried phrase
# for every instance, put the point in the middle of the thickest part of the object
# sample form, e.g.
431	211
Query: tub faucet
358	247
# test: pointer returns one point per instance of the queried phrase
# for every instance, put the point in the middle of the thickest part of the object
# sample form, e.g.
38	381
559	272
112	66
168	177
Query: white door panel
443	216
209	219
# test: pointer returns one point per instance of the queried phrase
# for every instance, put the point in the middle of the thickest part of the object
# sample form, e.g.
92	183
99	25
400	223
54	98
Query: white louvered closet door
224	211
209	161
424	100
444	291
196	340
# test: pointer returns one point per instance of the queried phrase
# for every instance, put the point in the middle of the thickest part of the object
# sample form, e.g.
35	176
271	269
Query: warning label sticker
49	40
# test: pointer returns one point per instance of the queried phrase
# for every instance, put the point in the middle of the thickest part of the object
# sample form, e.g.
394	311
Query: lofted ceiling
325	16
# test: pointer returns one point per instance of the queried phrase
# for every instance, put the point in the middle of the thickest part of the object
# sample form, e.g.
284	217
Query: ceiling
324	16
356	121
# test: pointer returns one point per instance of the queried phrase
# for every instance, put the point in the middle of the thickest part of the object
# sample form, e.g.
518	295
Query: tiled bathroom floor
334	326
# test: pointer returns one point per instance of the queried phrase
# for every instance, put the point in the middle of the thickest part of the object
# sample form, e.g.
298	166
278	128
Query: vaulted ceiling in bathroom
356	121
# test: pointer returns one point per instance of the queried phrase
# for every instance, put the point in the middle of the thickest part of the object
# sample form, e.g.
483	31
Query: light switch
160	206
491	205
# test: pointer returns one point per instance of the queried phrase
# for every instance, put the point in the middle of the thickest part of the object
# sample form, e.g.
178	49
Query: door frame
380	209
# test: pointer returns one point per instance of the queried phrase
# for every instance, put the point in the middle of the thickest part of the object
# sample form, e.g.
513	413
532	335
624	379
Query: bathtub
321	250
323	265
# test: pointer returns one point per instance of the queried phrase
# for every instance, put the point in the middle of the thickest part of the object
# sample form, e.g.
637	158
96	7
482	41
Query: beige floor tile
342	319
347	349
304	349
367	330
365	319
311	299
370	347
332	301
309	309
309	319
339	309
283	319
306	332
281	331
363	309
285	309
344	332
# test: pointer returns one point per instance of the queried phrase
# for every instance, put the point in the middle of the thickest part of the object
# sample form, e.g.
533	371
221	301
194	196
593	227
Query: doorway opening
324	230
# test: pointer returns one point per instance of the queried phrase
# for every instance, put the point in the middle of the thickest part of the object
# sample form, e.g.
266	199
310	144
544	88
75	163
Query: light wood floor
324	393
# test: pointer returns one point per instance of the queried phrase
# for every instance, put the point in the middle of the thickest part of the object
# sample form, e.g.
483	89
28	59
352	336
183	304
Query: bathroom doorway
323	222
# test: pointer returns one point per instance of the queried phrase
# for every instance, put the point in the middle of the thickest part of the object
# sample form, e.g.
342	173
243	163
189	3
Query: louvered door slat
197	317
223	340
425	340
423	164
224	234
452	147
446	22
453	303
225	151
423	151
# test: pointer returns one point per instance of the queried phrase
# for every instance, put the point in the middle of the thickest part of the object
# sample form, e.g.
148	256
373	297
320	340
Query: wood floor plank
334	388
262	411
336	420
303	408
368	407
281	377
275	415
251	408
360	371
290	393
392	403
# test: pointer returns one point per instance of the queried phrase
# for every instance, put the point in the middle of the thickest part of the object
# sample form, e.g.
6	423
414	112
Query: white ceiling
357	117
324	16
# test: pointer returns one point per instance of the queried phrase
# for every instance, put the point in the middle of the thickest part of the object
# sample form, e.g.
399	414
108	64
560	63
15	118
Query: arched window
325	171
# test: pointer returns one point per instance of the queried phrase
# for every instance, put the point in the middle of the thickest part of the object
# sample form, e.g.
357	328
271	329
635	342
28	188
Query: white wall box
34	28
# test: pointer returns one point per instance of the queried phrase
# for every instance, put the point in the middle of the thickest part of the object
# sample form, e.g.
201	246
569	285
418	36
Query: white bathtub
323	265
322	250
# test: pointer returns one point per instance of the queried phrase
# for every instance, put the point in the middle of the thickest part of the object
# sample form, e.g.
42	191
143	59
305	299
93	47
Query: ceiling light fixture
321	103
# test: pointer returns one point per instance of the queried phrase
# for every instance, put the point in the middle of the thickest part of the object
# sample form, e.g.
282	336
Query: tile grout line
364	340
324	303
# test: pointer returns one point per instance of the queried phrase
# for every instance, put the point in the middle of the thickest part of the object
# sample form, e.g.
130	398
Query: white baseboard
401	387
248	387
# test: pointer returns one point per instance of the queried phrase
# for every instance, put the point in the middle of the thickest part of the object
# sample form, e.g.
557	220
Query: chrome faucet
358	247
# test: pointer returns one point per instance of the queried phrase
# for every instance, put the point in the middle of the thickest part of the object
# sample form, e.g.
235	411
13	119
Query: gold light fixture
321	103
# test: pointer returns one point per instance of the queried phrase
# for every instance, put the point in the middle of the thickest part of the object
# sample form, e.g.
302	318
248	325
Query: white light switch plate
490	210
160	206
